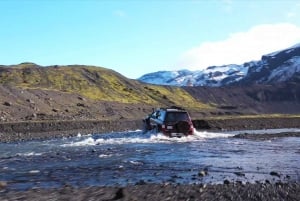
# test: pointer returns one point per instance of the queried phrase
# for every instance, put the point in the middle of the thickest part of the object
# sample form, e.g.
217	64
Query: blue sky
135	37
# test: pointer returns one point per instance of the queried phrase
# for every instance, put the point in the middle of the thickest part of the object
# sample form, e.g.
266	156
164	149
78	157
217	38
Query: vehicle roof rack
170	108
176	107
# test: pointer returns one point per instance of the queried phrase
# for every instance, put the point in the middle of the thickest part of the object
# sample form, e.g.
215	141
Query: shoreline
227	191
41	130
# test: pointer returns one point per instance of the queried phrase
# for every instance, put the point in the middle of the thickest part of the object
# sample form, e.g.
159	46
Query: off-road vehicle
172	122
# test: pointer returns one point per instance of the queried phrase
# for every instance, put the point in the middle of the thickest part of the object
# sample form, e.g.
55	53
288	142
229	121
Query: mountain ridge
279	66
30	92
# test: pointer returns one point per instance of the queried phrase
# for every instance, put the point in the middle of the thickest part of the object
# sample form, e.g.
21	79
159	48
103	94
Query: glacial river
136	158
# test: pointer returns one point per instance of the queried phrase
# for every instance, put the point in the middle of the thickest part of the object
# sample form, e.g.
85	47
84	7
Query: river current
127	158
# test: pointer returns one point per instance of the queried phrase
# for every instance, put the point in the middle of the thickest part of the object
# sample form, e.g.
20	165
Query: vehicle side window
171	117
183	117
155	114
162	115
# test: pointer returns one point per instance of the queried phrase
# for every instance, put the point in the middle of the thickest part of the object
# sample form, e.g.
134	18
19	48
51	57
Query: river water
136	158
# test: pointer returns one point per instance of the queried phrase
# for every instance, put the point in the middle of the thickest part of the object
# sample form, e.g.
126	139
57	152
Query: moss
98	84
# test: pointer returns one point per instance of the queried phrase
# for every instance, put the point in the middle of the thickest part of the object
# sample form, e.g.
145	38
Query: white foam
269	131
85	142
34	171
29	154
149	138
209	135
136	162
105	155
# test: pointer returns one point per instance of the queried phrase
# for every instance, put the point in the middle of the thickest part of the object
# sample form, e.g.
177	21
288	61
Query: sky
135	37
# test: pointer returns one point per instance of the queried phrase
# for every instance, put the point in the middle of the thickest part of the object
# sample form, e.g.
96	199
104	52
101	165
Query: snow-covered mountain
276	67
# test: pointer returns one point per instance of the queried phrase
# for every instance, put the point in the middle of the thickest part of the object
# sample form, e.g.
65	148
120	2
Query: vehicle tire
145	128
157	128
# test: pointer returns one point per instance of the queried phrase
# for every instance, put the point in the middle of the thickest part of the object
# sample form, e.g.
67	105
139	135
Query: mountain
280	66
29	92
32	92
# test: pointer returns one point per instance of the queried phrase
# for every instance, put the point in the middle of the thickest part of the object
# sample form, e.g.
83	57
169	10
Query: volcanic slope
29	91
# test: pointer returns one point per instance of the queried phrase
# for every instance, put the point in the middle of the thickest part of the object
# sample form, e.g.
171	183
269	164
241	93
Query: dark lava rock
30	101
141	182
81	98
274	174
119	194
227	182
7	103
240	174
80	105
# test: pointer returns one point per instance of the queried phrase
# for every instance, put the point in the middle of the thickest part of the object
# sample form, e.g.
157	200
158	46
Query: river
134	158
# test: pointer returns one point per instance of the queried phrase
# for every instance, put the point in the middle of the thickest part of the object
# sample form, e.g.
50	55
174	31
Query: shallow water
133	157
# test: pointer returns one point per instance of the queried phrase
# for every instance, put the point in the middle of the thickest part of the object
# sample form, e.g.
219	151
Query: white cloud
242	47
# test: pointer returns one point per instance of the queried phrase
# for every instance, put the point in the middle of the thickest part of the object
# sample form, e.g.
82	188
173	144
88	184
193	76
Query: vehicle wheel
157	130
145	128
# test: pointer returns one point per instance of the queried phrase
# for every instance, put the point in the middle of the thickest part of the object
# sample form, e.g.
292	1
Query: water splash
209	135
146	138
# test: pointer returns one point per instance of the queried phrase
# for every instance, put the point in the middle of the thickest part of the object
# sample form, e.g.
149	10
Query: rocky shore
228	191
20	131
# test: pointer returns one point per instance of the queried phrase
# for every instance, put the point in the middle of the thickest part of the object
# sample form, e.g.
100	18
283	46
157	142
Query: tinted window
162	115
177	116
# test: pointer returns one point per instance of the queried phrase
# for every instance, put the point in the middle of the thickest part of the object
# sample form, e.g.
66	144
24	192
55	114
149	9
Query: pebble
240	174
7	103
226	182
201	174
3	184
275	174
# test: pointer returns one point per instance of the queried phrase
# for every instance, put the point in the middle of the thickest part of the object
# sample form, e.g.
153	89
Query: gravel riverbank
228	191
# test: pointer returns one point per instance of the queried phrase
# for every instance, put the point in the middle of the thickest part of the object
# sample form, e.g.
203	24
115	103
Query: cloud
241	47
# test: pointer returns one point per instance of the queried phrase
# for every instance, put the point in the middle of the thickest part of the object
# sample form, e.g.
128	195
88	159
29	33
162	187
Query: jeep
172	122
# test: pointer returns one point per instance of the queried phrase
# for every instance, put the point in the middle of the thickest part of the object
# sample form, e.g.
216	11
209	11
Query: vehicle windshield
177	116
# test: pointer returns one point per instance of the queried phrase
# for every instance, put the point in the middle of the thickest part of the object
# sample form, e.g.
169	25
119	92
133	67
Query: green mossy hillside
95	83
